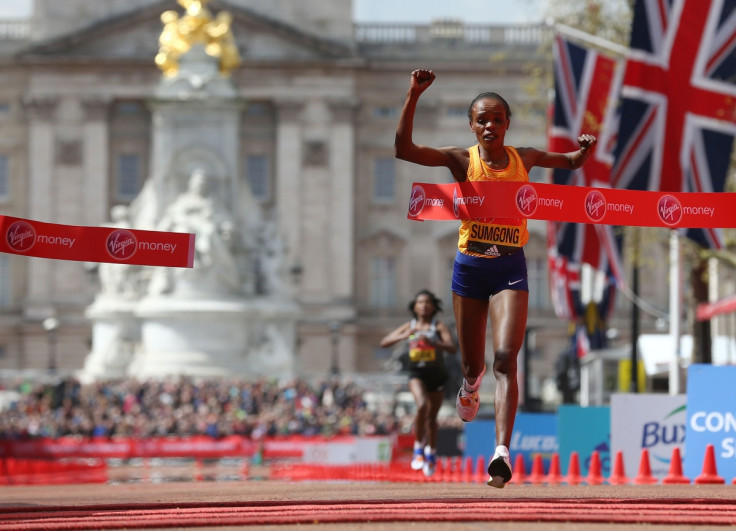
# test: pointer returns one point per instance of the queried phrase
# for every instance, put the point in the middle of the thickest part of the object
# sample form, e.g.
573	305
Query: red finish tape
575	204
96	244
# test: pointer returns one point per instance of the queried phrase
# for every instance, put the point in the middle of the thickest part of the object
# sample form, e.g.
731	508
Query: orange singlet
492	237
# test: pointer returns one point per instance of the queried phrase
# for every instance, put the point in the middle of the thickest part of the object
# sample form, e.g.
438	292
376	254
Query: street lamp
51	325
335	338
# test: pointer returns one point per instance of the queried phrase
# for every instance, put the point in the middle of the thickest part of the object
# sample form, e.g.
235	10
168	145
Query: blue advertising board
534	433
711	419
480	439
582	430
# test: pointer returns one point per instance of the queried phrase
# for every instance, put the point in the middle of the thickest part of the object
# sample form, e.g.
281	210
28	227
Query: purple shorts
481	278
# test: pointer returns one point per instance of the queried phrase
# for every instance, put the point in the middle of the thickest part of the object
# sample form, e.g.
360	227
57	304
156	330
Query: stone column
41	193
342	177
96	163
288	177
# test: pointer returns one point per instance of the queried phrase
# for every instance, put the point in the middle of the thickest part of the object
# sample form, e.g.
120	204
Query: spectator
185	407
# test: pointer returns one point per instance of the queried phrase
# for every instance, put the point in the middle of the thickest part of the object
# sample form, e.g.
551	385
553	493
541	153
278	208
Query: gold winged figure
196	26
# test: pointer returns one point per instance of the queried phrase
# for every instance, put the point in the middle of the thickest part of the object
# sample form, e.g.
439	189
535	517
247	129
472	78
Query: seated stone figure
215	271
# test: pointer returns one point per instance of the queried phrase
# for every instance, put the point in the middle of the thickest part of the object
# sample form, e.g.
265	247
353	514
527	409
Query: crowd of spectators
184	406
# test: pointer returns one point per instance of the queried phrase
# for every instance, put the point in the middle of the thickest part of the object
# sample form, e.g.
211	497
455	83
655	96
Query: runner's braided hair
435	301
492	96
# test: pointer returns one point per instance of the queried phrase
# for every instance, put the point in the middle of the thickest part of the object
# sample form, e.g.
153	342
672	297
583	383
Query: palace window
4	178
384	180
128	175
383	282
5	282
256	171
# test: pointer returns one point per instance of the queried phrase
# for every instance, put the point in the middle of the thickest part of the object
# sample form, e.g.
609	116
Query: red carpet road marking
594	510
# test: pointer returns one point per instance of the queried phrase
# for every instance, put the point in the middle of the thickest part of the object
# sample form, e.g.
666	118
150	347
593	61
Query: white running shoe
468	402
417	462
499	469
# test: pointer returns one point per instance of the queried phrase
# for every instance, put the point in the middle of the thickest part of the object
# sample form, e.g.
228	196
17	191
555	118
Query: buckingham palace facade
322	96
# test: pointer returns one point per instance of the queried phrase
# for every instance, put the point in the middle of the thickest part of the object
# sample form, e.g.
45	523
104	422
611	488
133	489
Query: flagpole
634	369
713	294
675	296
592	39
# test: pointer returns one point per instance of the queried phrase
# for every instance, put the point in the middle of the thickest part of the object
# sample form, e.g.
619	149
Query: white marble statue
272	352
198	211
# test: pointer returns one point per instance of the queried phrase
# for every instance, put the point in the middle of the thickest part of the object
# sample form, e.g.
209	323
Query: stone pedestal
214	338
115	334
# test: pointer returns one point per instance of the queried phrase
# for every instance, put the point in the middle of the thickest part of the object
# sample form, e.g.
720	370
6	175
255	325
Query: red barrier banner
96	244
201	446
576	204
126	448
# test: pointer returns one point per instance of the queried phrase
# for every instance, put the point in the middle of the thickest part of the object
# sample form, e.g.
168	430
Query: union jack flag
678	111
586	91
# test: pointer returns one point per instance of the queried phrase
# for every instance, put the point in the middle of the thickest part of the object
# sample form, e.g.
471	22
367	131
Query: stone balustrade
15	29
451	30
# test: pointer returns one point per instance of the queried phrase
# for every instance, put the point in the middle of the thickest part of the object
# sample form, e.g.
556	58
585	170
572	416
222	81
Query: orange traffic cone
468	470
519	475
554	477
537	475
594	470
645	471
441	471
675	476
618	476
573	469
457	469
709	475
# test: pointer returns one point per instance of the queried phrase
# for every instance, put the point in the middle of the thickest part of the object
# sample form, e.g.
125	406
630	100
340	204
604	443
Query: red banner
707	310
96	244
575	204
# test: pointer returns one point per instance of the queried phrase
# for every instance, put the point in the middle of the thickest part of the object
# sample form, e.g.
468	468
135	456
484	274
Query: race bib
421	351
495	234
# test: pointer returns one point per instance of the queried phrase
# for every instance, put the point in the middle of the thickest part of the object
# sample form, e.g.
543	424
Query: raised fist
586	141
421	79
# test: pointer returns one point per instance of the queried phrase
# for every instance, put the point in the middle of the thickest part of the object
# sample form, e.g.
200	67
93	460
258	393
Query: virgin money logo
526	200
595	205
121	244
669	210
416	201
21	236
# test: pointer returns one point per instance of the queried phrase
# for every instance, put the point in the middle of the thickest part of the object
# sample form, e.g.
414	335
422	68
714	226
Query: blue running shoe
430	464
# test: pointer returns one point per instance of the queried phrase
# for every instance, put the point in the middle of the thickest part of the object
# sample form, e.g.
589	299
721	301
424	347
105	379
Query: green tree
607	19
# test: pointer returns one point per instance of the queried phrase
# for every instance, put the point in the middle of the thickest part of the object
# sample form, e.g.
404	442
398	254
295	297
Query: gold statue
196	26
